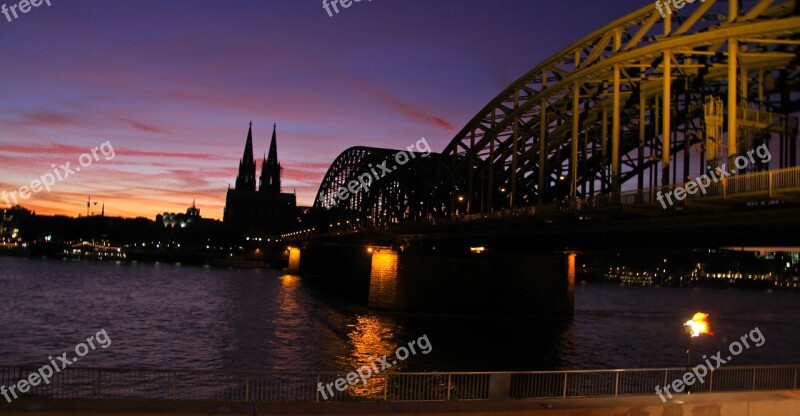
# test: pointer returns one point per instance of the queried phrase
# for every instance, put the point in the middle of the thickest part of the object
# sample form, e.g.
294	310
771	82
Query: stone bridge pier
484	283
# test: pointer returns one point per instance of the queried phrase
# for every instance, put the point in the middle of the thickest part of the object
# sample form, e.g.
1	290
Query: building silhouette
266	210
190	218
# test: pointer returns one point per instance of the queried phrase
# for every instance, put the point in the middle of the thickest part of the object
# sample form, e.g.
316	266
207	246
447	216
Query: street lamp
695	327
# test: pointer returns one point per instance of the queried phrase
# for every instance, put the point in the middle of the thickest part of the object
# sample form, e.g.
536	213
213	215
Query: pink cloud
144	127
411	110
43	117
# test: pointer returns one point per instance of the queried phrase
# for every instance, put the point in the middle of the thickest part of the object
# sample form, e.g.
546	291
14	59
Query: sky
171	86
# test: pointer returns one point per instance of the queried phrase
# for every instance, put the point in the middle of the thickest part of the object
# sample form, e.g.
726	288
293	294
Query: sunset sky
172	85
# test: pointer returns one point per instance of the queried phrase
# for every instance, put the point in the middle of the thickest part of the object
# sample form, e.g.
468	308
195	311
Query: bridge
580	153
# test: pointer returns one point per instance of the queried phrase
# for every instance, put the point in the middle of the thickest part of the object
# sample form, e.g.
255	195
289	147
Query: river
193	317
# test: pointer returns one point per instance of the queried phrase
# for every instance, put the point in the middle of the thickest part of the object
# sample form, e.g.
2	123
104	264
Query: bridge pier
487	283
340	269
385	290
294	260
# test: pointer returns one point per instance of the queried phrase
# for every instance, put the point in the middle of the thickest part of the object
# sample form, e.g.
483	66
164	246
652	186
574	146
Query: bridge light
477	250
369	250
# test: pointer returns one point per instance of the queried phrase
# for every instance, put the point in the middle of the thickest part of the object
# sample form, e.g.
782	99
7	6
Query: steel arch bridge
634	104
380	187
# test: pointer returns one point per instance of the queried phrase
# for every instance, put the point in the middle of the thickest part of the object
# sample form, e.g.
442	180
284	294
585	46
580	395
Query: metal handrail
173	384
764	182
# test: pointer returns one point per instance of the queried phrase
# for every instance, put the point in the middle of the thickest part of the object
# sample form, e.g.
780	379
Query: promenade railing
146	384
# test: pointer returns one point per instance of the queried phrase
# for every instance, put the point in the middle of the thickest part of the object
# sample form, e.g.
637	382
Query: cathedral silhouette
266	210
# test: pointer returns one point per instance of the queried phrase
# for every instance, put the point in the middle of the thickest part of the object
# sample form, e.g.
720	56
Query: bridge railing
101	383
759	184
786	179
767	183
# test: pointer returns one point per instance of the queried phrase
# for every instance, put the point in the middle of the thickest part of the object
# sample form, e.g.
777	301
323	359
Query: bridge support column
384	287
294	260
534	284
338	269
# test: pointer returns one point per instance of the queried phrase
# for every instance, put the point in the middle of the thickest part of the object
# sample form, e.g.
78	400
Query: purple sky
172	86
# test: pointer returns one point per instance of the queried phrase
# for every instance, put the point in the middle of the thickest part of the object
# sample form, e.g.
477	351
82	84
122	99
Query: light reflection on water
168	316
371	337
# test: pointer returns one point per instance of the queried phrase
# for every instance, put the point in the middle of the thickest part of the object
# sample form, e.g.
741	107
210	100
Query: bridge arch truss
591	119
624	108
402	187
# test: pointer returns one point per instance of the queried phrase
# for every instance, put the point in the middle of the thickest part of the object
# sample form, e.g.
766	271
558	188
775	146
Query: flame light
698	325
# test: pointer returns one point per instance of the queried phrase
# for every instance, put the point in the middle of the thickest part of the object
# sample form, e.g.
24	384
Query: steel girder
591	118
403	190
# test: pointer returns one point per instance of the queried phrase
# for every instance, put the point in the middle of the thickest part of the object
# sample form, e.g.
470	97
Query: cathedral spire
270	167
246	181
273	147
248	146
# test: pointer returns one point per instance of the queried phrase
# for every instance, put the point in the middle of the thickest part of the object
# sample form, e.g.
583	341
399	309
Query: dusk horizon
173	91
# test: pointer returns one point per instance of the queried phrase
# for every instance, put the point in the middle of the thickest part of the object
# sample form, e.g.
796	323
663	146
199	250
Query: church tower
265	210
270	168
246	180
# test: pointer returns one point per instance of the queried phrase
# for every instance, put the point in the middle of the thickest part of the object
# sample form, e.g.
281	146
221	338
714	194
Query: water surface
173	316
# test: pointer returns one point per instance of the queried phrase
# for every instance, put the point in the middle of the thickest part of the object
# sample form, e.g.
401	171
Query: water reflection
370	338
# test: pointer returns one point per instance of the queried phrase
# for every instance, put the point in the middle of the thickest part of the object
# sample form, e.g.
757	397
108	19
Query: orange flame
698	325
